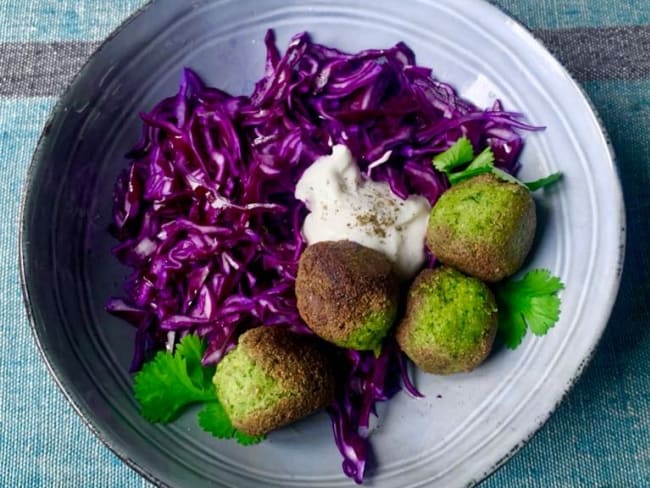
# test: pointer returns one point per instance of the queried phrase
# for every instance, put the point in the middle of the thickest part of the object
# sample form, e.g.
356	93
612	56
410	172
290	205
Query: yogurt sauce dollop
345	205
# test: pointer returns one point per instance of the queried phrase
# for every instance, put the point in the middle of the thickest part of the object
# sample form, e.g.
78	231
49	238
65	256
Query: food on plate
531	302
483	226
450	322
347	294
343	204
454	164
273	377
216	209
174	380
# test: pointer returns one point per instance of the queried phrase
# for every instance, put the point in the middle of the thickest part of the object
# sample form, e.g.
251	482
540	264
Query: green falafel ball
272	378
483	226
450	322
347	293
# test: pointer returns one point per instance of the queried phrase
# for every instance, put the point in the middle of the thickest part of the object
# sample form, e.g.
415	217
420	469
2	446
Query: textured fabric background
600	434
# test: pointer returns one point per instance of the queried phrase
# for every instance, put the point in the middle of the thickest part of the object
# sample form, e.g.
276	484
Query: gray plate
469	423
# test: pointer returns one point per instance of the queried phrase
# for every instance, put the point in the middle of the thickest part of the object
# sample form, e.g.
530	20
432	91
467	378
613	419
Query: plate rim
59	379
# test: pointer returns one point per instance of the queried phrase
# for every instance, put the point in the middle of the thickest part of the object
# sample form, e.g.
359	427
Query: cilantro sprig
462	152
543	182
529	303
171	382
214	419
483	163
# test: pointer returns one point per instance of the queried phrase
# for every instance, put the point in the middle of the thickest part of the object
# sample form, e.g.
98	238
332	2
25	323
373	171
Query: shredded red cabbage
206	217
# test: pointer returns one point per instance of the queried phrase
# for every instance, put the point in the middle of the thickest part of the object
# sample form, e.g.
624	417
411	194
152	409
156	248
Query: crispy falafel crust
342	288
484	227
302	372
434	314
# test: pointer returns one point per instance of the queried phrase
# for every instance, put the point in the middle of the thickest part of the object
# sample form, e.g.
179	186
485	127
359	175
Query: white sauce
345	205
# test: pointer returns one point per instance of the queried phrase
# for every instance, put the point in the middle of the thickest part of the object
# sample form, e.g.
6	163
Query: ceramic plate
469	423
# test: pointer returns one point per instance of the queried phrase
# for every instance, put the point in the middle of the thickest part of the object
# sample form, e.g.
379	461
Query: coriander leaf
455	178
484	163
543	182
214	419
530	302
502	175
512	327
542	314
461	152
538	282
170	382
484	160
164	388
191	348
248	440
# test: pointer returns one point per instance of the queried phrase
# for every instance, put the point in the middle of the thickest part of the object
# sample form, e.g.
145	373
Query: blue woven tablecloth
599	436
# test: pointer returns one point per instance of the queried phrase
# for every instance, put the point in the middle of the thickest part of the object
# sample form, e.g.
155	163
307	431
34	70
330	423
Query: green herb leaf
192	348
248	440
543	182
168	383
461	152
484	160
512	327
504	176
484	163
455	178
214	419
531	302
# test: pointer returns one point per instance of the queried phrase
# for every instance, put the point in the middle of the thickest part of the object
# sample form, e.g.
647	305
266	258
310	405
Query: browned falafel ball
272	378
347	293
450	321
483	226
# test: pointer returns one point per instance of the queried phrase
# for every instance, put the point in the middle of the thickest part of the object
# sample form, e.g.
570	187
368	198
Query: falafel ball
450	322
272	378
347	293
483	227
